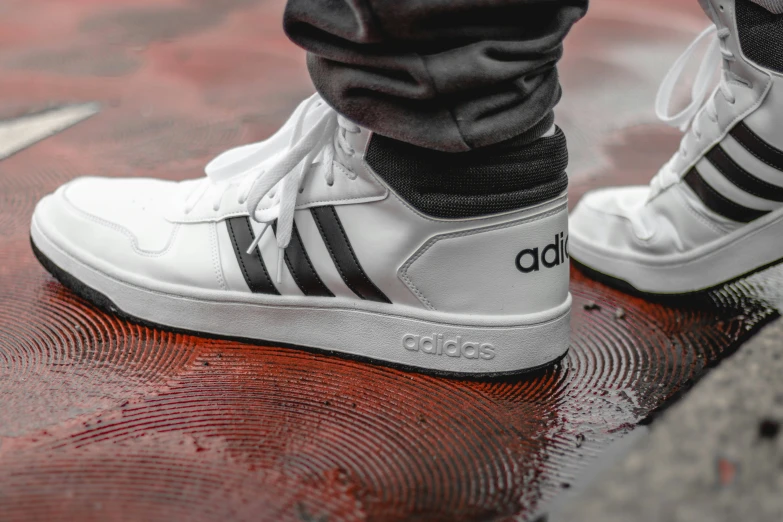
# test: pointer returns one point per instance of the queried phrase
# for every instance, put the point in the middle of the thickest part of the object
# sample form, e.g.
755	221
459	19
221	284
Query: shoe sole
527	344
756	245
694	298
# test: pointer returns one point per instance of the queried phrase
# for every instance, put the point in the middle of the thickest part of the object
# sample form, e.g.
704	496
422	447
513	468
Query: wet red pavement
101	419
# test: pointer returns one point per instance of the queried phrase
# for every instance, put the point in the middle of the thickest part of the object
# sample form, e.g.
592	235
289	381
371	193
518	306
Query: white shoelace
281	181
716	53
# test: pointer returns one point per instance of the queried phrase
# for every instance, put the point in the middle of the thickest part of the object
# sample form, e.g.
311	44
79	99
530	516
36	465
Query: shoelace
716	53
281	181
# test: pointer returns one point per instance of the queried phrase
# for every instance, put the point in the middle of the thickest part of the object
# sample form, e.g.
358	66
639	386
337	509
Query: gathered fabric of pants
449	75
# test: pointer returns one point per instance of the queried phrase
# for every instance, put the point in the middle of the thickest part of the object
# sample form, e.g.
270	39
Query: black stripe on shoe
757	146
718	203
301	268
742	178
252	265
344	257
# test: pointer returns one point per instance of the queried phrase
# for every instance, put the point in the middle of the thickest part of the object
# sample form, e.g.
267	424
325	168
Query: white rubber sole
399	336
755	246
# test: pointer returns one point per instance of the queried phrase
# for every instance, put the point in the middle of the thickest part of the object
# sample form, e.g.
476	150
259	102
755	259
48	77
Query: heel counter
517	267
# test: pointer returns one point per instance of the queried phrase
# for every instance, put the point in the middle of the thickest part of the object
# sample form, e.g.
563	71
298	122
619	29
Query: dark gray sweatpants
451	75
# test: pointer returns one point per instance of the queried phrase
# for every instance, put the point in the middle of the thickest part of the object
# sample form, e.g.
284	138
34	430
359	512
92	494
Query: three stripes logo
733	172
298	261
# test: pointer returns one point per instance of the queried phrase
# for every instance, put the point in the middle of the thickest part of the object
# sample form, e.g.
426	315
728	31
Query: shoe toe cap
122	215
117	226
610	218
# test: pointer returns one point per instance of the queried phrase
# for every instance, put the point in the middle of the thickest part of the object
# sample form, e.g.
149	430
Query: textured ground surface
105	420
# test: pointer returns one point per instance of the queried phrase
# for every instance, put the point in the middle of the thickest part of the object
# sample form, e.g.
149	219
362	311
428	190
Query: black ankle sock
760	35
514	174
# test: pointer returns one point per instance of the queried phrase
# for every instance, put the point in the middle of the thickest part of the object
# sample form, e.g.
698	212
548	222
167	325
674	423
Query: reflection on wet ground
103	419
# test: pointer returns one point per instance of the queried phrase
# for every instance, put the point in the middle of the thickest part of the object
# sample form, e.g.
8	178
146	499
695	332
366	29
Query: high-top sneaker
715	211
329	237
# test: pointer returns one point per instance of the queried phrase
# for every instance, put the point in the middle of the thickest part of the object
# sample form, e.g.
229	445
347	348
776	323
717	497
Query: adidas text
554	254
437	345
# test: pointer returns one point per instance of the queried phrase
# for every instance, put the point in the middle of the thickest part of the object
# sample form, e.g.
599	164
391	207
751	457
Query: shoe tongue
709	9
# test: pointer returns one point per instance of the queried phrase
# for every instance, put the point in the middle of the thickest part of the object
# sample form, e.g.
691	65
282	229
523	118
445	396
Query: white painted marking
20	133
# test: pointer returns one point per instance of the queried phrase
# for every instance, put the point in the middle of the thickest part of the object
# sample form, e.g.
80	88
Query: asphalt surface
715	456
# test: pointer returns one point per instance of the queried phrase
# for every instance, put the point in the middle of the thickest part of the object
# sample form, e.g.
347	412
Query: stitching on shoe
364	198
288	262
257	251
689	206
217	265
753	136
309	263
124	231
402	273
239	255
350	249
331	253
741	172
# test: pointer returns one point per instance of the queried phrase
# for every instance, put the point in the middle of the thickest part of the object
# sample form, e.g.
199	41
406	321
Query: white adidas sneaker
295	240
715	211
